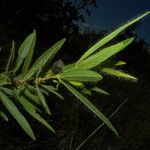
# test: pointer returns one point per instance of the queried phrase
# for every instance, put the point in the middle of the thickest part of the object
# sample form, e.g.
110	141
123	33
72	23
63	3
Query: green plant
27	85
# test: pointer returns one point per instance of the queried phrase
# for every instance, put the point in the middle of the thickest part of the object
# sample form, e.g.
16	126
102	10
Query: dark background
83	23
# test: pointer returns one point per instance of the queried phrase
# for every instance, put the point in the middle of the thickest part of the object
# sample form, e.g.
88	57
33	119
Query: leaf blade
29	55
30	108
89	105
111	36
99	90
42	99
3	115
24	50
118	73
32	96
46	56
80	75
11	57
104	54
52	90
16	114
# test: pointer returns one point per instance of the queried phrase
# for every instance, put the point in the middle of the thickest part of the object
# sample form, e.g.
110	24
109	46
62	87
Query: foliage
25	85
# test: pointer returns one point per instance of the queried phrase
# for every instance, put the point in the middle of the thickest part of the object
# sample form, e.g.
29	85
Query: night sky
111	13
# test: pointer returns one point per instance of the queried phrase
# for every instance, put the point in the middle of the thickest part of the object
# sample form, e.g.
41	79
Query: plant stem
21	82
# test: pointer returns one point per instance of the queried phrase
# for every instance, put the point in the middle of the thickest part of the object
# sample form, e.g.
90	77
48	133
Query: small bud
57	67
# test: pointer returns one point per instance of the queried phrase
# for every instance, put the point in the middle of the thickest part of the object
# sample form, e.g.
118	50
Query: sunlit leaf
99	90
77	84
89	105
104	54
70	66
80	75
111	63
24	50
29	55
120	63
44	58
111	36
16	114
118	73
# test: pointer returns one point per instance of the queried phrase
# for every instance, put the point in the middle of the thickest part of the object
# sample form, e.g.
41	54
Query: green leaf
8	91
89	105
29	55
99	90
3	115
48	55
98	58
44	58
110	63
51	89
24	50
77	84
70	66
16	114
111	36
32	96
42	99
31	88
118	73
120	63
11	57
86	91
30	108
80	75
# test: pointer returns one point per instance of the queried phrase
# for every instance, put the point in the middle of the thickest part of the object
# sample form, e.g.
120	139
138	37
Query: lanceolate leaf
16	114
31	109
24	50
29	55
14	86
103	55
11	57
99	90
86	91
32	96
89	105
51	89
77	84
70	66
118	73
3	115
42	99
44	58
48	55
8	91
111	63
80	75
120	63
111	36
